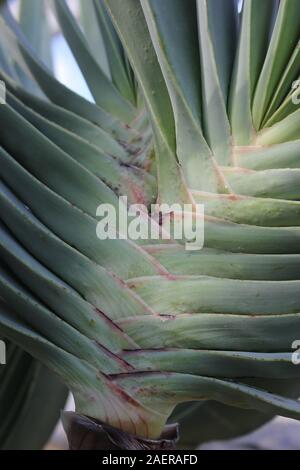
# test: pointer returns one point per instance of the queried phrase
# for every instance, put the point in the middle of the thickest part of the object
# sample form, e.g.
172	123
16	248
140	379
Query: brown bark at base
88	434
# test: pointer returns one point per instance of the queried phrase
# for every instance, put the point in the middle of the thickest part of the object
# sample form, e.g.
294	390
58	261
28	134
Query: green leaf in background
35	25
31	400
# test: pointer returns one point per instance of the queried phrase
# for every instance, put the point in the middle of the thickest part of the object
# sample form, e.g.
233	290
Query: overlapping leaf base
200	96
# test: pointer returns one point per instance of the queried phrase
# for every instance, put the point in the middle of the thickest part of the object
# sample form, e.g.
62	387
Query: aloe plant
193	104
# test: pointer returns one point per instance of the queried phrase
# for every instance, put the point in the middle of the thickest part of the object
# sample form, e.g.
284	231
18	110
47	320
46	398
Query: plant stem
88	434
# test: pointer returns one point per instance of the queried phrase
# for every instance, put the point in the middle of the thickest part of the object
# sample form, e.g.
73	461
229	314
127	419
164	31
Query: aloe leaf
141	53
281	49
289	106
61	95
136	327
221	422
54	357
272	183
108	97
98	285
216	47
15	65
284	131
130	180
43	383
183	386
223	264
67	120
23	55
14	380
252	47
115	54
52	210
85	179
201	294
47	324
213	363
93	35
192	150
283	155
51	289
245	238
34	24
254	211
284	87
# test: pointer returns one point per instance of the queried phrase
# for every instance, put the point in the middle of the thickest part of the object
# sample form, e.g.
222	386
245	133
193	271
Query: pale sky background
65	67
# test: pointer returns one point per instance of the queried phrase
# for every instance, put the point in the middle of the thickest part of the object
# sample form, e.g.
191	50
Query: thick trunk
87	434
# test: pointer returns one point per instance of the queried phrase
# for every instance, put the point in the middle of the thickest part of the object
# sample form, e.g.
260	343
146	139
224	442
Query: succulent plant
194	102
